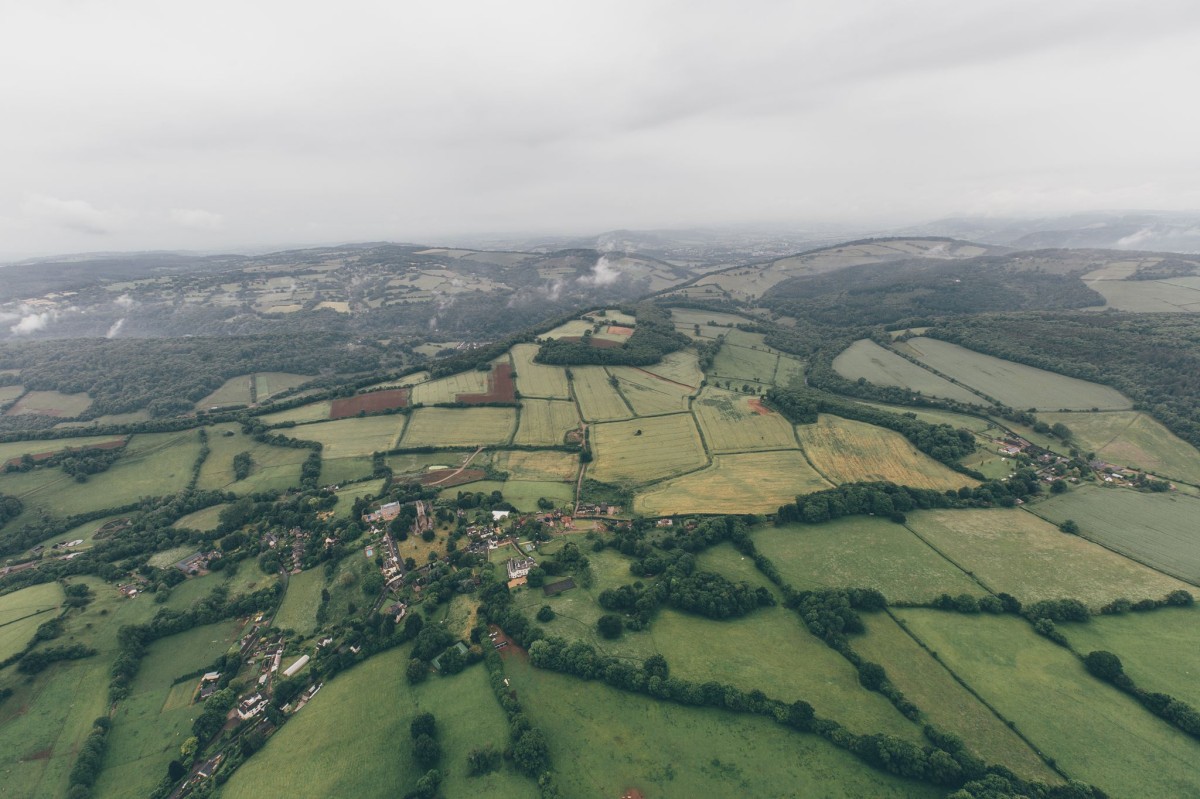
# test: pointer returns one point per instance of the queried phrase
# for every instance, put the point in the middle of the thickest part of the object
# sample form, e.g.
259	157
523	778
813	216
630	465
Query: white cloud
115	328
604	273
77	215
197	219
32	323
125	301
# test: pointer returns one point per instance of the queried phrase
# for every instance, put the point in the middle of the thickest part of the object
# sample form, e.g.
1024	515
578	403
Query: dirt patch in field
632	793
501	388
757	406
619	330
41	456
41	754
372	402
506	646
446	478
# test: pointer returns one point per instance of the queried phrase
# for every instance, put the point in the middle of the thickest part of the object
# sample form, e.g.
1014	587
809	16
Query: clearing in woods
459	427
650	394
1014	384
538	379
756	482
866	360
641	450
545	422
846	451
1156	529
1013	551
1132	438
598	400
51	403
734	422
351	438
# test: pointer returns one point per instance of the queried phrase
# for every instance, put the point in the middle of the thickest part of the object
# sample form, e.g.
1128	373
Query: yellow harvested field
447	389
650	394
732	422
459	427
333	305
641	450
575	327
545	422
748	483
51	403
846	451
10	393
313	412
598	400
540	465
349	438
400	382
682	366
537	379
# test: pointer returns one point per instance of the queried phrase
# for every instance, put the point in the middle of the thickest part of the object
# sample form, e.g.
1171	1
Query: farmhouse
519	567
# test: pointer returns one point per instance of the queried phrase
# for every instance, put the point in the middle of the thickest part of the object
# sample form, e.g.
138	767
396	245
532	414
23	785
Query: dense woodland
653	338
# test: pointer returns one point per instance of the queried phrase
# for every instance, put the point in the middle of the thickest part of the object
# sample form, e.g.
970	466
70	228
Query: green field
21	612
51	403
350	438
204	520
1016	552
246	389
789	373
686	319
299	608
536	379
274	468
347	495
1094	732
412	463
352	739
846	451
344	470
737	365
312	412
608	741
147	731
87	531
1177	295
552	465
666	445
963	421
545	422
731	424
459	427
681	366
15	449
867	360
650	394
1134	439
522	494
756	482
944	701
166	557
1158	650
1156	529
598	400
862	551
447	389
1014	384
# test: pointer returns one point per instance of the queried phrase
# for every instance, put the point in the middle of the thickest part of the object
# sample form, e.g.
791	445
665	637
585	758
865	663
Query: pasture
459	427
1070	715
650	394
686	320
51	403
13	450
347	495
164	558
298	611
522	494
789	373
1176	295
681	366
308	757
1014	384
733	422
943	701
641	450
1016	552
536	379
866	360
862	551
342	470
598	400
846	451
248	389
272	468
1156	529
757	482
958	421
736	365
447	389
312	412
204	519
21	612
268	384
545	422
614	741
10	393
538	465
570	329
88	531
351	438
1134	439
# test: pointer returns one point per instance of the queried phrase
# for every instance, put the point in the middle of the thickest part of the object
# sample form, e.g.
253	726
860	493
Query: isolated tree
1104	665
423	724
545	613
610	625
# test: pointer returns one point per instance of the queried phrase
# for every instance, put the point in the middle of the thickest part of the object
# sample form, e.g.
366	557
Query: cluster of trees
528	749
654	337
33	662
89	760
10	508
1108	667
1177	599
242	464
77	463
427	752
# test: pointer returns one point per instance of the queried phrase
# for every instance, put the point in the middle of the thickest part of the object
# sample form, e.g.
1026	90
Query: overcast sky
138	125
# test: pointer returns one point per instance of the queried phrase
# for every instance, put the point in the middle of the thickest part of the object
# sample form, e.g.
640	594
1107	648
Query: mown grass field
146	734
459	427
21	612
312	412
204	520
347	495
537	379
51	403
545	422
353	738
1156	529
738	365
681	366
1016	552
757	482
943	701
846	451
1132	438
731	424
649	394
538	465
351	438
268	384
867	360
1096	733
523	494
862	551
298	611
447	389
1158	650
667	445
273	467
598	400
789	373
1012	383
343	470
612	741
